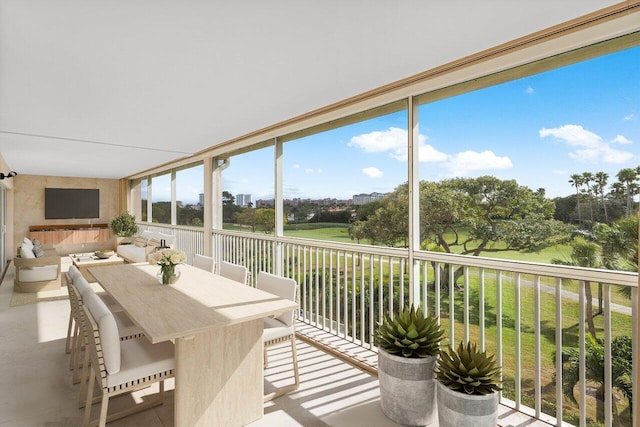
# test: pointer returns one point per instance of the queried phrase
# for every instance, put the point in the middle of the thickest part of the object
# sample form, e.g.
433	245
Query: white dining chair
236	272
282	328
72	329
204	262
78	293
120	367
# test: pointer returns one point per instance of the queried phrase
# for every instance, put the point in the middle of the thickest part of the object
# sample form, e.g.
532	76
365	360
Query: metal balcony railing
510	308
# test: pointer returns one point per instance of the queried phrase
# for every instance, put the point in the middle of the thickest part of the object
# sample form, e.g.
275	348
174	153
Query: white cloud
429	154
529	91
394	141
629	117
620	139
590	147
296	166
372	172
560	172
311	170
463	163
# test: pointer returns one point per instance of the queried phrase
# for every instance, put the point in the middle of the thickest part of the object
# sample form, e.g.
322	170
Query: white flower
167	257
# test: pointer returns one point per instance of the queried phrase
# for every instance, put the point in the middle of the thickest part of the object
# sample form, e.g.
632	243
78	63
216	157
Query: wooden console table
68	234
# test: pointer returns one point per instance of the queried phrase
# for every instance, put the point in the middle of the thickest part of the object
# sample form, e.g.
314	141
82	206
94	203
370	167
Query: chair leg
87	408
294	354
83	380
76	359
103	411
74	347
67	344
296	377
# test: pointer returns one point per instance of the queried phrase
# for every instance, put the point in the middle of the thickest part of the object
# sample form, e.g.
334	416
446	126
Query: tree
389	223
261	219
584	253
469	216
587	180
627	177
621	356
619	246
601	179
357	231
488	210
577	180
229	208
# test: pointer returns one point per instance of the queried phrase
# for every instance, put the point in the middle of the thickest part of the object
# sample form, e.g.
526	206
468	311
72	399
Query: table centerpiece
168	259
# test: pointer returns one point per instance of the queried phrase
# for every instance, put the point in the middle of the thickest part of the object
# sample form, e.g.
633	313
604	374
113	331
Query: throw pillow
140	241
27	242
25	252
38	251
154	242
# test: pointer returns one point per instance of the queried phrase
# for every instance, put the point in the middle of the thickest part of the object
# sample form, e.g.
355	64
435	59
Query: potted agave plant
468	385
408	345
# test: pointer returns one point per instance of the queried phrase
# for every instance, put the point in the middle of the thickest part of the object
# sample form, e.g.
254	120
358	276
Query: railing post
279	206
414	201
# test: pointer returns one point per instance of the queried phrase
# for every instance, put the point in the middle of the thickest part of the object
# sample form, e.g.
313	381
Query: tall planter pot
407	388
460	409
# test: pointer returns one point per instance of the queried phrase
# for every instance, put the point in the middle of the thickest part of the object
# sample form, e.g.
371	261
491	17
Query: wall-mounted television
68	203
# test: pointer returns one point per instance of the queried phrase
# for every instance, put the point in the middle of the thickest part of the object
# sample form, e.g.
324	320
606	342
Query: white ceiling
107	88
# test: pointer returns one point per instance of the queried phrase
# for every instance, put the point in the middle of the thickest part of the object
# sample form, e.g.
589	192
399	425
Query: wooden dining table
216	325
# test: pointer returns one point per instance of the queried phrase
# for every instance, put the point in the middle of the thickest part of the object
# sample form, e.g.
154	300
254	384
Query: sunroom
247	131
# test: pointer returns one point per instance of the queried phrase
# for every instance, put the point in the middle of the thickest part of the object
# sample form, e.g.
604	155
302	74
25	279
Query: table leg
219	376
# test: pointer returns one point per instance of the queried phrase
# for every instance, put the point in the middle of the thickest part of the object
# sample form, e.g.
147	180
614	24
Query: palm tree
621	351
601	179
577	181
584	254
627	176
587	180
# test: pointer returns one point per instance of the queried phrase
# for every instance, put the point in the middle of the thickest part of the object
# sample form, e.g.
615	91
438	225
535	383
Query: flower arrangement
167	259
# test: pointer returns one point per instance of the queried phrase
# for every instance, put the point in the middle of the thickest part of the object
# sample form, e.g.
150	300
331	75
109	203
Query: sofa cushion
132	253
37	274
38	251
27	242
140	241
26	252
169	239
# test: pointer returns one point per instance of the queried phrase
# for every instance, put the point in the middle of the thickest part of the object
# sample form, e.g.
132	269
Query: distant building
261	203
361	199
201	199
243	200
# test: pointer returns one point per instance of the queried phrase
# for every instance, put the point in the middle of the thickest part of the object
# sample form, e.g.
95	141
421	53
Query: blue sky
538	130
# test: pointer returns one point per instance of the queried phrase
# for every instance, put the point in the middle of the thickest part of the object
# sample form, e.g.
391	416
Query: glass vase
168	275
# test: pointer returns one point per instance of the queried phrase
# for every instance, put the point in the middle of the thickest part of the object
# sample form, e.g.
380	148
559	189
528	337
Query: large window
248	192
161	199
540	169
338	181
539	155
190	196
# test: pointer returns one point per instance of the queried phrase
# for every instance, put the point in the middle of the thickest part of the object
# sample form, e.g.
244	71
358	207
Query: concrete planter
459	409
407	388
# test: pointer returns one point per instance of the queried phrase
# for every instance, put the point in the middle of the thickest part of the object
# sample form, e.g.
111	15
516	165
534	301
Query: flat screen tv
68	203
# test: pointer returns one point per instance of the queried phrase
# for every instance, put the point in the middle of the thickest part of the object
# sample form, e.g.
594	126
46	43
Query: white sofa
143	244
36	269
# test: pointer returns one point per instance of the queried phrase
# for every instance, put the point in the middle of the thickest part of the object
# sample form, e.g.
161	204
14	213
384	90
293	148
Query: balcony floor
36	383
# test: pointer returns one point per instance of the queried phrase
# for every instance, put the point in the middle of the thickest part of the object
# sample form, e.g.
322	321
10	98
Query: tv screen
67	203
